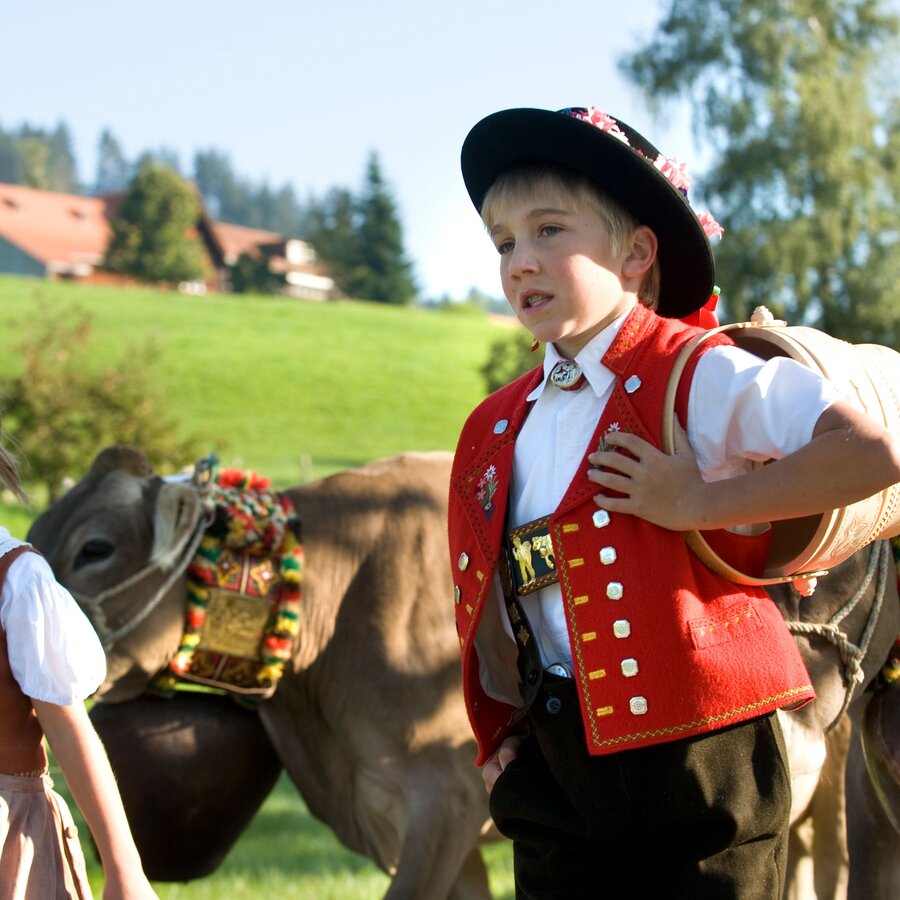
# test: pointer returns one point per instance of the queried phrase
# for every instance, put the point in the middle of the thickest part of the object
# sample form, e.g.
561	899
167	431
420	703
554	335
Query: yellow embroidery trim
709	720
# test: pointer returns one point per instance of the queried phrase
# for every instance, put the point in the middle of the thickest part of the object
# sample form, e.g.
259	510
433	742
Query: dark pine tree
384	273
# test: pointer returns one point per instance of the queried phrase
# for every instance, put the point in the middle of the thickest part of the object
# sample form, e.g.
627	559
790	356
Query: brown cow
368	721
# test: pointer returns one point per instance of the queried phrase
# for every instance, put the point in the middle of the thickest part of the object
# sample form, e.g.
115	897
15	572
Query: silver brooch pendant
567	375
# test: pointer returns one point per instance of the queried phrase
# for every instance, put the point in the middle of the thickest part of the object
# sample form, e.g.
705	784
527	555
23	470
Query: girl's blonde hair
9	471
579	193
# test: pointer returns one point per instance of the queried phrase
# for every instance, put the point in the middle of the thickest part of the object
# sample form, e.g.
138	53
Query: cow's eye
94	550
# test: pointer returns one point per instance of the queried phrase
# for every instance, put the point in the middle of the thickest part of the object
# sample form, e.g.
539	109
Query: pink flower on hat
676	172
711	228
601	120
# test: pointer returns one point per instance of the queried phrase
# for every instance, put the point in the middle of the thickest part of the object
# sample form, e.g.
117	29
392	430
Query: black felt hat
624	164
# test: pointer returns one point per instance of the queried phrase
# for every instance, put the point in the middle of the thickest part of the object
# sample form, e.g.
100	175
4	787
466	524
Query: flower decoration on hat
676	173
599	119
711	228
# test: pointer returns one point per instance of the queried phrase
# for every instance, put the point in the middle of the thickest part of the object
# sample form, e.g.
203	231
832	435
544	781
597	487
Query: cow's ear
176	516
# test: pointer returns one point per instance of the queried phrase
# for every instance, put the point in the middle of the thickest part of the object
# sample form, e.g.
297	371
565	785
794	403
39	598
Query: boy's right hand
499	760
667	490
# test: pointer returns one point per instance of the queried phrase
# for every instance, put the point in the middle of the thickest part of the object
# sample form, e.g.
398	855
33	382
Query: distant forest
44	158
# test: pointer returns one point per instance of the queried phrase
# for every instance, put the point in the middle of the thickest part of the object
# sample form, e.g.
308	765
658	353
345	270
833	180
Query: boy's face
562	280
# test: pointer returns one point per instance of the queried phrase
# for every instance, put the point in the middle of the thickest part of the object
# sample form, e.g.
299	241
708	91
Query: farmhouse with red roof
51	235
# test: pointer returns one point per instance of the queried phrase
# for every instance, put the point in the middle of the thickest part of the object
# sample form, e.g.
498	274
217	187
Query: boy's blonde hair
579	193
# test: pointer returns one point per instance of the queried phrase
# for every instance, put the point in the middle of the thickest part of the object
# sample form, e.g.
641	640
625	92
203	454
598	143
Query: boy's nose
522	259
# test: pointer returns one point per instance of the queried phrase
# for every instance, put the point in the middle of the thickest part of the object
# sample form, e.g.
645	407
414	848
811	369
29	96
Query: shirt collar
598	376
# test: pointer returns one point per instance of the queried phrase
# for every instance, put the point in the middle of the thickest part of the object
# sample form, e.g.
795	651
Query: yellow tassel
270	673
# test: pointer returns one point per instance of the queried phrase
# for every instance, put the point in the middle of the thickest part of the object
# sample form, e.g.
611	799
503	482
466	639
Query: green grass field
293	390
287	387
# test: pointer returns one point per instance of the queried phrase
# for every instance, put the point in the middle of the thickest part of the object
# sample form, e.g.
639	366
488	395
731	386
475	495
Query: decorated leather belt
529	550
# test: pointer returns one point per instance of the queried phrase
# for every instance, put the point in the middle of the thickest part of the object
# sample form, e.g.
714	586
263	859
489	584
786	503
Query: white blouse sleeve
744	410
54	652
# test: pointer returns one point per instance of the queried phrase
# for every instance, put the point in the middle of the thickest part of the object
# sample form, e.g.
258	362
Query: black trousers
703	818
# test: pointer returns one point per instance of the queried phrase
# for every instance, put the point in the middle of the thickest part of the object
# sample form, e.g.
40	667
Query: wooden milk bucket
869	377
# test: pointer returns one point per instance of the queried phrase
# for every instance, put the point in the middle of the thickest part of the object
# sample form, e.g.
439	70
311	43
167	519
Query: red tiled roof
238	239
66	231
56	229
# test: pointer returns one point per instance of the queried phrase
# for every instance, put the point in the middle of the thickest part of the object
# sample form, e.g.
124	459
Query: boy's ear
642	252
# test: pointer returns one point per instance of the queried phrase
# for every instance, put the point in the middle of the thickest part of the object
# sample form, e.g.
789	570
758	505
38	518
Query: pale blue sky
301	92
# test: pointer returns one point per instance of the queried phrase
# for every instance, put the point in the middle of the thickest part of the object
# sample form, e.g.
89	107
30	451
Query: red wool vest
21	747
663	647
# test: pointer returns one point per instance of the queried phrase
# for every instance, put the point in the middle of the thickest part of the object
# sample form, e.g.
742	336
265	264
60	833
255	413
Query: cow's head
117	541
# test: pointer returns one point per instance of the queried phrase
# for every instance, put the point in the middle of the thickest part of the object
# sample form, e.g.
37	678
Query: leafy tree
62	411
165	157
252	275
508	358
113	169
152	235
797	103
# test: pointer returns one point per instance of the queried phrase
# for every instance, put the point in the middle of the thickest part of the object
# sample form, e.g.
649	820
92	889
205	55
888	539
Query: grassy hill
293	390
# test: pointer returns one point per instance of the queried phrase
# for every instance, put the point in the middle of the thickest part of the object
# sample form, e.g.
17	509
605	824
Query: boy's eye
549	230
505	247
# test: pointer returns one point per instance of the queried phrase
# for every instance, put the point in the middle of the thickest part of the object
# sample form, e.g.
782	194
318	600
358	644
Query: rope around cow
852	655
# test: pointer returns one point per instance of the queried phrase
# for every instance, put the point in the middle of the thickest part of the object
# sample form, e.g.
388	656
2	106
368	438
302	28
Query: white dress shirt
742	410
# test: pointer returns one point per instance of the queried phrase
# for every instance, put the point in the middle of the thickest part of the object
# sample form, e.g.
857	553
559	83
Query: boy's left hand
665	490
